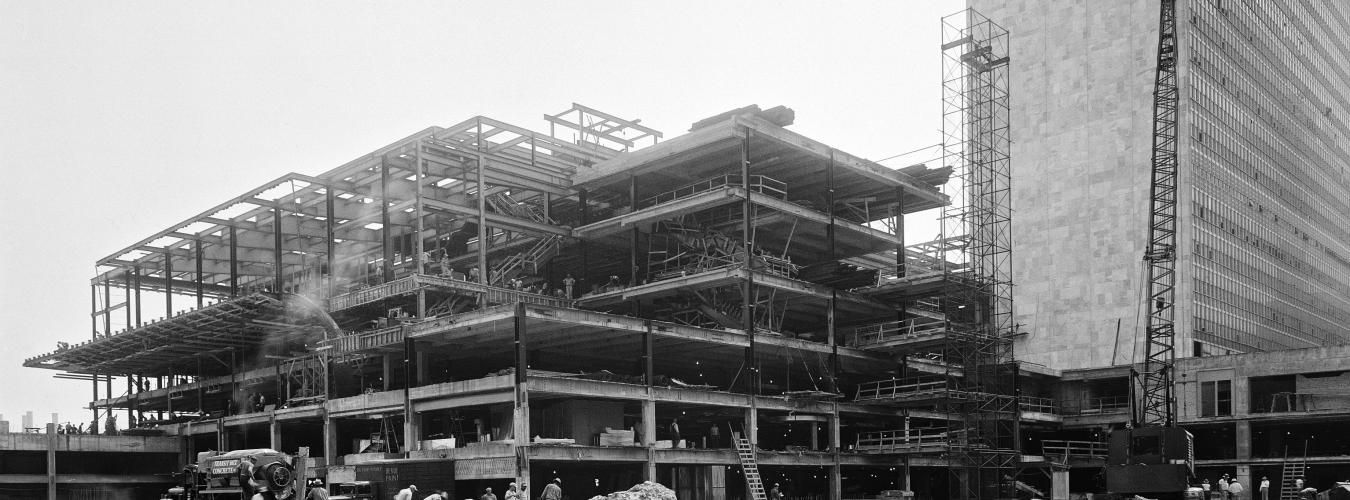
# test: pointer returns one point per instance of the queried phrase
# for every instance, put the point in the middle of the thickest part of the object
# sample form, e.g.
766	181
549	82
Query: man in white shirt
1235	490
1265	488
406	493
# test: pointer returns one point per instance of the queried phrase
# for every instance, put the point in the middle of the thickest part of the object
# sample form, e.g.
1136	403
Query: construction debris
645	491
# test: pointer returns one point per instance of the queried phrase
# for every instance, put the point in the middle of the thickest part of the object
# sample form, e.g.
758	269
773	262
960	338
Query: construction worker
775	493
446	270
316	491
487	494
513	493
406	493
1265	488
438	495
570	283
262	493
553	491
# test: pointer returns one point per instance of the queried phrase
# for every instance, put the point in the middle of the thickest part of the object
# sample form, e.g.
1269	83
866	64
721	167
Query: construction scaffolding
984	447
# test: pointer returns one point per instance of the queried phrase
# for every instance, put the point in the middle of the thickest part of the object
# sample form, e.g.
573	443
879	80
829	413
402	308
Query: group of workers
1230	489
551	492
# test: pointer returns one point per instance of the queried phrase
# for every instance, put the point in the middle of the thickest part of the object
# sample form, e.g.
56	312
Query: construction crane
1153	456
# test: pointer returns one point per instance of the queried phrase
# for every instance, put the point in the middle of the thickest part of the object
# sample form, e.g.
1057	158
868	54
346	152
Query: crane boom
1158	405
1155	456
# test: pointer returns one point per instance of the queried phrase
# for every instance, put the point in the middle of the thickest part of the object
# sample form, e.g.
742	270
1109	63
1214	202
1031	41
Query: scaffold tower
983	443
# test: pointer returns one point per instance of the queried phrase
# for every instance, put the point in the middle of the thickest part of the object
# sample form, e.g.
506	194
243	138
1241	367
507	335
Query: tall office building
1264	243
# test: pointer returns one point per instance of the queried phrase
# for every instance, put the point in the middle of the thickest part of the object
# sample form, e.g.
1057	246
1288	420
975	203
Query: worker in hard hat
406	493
553	491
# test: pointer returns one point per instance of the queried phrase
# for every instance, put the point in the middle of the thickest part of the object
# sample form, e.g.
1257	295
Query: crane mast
1154	456
1158	406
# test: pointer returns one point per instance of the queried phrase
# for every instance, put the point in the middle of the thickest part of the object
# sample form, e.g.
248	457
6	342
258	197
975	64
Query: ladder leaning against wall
746	452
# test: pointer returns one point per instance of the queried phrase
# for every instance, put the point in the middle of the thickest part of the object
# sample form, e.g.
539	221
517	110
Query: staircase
504	204
750	466
1290	472
529	261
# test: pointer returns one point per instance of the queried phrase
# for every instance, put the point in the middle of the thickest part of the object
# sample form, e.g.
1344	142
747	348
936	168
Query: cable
938	145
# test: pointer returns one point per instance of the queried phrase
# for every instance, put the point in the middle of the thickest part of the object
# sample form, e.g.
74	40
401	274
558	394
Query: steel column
278	262
387	250
234	262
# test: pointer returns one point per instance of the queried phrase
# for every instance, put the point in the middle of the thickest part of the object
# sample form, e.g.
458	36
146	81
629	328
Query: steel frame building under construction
735	306
720	311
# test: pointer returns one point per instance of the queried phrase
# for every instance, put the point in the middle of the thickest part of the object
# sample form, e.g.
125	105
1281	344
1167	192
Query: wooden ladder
746	452
1290	472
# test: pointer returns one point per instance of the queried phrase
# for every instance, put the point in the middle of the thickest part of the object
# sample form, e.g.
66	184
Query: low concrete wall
92	443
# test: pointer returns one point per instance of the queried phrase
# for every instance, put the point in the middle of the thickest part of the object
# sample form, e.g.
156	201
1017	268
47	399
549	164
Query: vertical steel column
200	406
277	260
419	242
94	425
649	404
829	202
129	405
633	241
129	286
521	416
900	231
748	286
583	218
409	428
329	200
201	277
748	295
387	250
168	283
94	313
830	304
136	281
52	442
107	306
234	262
93	318
483	271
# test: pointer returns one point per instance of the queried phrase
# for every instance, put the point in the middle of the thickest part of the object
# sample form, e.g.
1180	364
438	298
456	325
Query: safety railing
1039	405
1073	449
901	440
906	388
893	331
1094	406
372	294
758	184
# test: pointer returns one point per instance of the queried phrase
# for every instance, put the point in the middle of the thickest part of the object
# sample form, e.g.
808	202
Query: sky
121	119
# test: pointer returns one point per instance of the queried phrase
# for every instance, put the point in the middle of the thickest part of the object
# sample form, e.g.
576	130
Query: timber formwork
470	293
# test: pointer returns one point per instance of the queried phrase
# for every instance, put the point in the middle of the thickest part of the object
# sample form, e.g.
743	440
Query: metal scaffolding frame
983	439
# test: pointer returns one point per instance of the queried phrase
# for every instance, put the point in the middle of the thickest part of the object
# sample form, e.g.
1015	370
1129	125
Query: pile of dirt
645	491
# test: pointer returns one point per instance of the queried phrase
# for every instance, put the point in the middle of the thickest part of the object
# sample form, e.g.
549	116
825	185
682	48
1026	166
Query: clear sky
119	119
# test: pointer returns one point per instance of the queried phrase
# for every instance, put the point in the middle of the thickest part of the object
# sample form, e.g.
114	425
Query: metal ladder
1290	471
746	452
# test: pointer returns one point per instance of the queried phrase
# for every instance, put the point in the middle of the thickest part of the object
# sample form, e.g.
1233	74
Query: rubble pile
644	491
